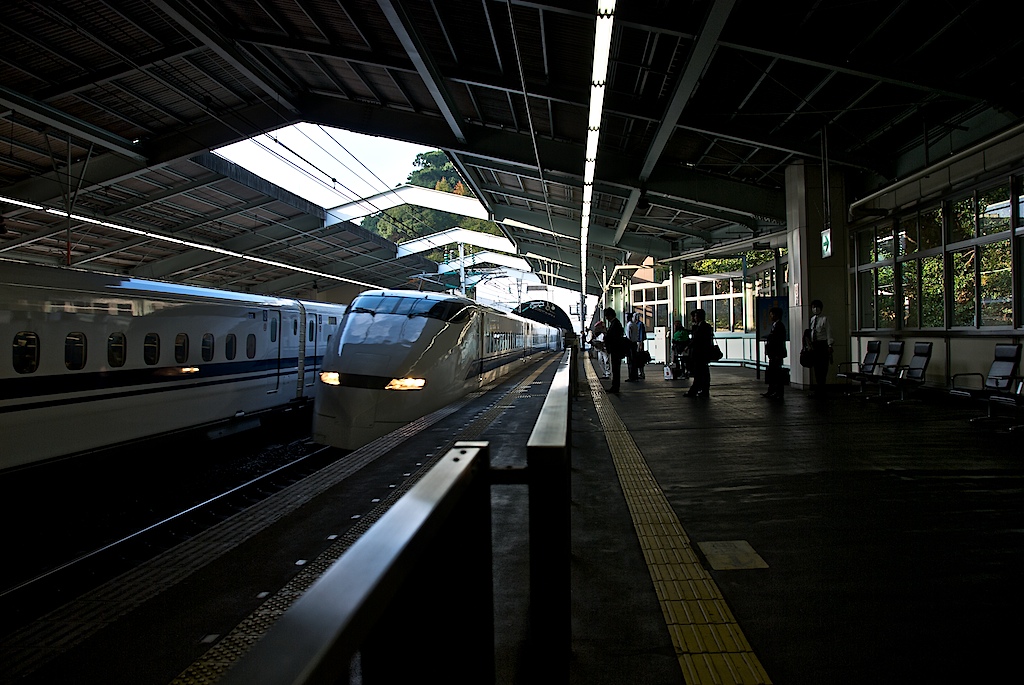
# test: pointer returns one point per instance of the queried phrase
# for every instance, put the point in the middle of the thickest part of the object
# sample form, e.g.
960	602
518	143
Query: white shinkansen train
399	355
93	360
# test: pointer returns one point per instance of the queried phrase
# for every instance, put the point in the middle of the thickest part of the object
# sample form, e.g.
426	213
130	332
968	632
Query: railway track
95	519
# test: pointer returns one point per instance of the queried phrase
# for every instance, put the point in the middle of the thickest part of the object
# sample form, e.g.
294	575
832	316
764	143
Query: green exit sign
826	243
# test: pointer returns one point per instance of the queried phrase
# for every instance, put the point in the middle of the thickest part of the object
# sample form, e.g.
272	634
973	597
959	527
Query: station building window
943	266
651	304
723	299
75	351
25	351
117	349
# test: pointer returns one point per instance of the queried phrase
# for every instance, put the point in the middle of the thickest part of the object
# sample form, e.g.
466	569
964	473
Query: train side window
26	352
250	346
230	346
181	348
117	349
310	336
295	326
151	348
208	347
273	330
75	351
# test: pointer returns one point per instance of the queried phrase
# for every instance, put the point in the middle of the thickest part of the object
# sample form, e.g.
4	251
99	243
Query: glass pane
963	288
661	315
26	352
662	293
884	249
886	297
1020	201
996	285
911	294
722	287
866	247
273	330
932	300
994	210
961	219
722	312
230	346
117	349
151	348
906	235
707	288
74	351
250	346
691	290
737	314
929	225
181	348
867	299
208	347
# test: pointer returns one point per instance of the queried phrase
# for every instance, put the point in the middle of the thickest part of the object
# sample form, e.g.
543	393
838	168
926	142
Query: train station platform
726	540
837	540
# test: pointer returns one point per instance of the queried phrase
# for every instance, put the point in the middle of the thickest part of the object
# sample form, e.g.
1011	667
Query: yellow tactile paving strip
709	643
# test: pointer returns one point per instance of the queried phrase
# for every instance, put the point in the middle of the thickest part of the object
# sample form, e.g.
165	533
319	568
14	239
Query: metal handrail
548	458
314	641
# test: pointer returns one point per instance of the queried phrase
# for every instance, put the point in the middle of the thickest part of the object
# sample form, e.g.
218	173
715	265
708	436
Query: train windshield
443	310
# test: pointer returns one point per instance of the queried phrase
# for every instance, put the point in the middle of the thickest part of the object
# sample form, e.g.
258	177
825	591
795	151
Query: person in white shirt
633	336
820	332
597	335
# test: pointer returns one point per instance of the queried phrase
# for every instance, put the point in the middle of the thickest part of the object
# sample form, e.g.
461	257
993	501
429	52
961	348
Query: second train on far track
399	355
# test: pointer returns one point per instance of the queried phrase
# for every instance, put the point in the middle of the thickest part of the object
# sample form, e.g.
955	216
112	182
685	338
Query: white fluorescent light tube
12	201
588	194
593	135
589	167
605	6
209	248
596	106
602	49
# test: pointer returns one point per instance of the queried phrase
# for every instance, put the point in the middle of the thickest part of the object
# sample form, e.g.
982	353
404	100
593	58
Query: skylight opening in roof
326	166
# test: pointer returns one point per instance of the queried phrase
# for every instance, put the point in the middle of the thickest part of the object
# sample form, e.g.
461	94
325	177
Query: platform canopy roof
108	111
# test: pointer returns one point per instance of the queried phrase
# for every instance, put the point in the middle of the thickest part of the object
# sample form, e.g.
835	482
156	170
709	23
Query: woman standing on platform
821	344
702	340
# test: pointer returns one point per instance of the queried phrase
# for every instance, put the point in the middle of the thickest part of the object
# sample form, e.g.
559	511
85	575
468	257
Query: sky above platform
326	166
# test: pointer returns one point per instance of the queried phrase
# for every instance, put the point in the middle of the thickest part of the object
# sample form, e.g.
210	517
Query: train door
272	327
313	354
299	332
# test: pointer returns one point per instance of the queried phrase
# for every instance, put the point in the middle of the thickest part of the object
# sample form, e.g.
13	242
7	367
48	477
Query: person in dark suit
775	350
702	340
615	342
821	342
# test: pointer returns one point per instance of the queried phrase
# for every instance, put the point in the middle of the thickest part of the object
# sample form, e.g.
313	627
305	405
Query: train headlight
330	377
406	384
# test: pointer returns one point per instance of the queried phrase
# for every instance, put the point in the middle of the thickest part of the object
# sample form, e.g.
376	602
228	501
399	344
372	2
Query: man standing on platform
821	344
615	342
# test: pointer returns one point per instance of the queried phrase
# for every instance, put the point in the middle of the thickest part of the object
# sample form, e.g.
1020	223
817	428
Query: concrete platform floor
852	541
